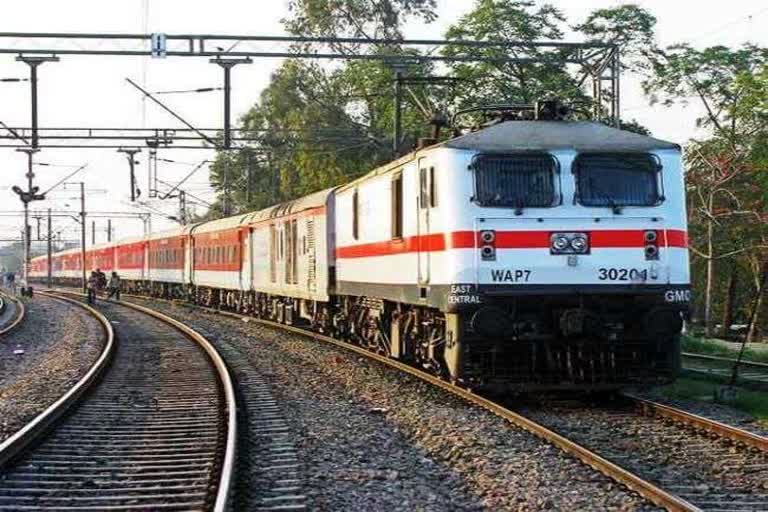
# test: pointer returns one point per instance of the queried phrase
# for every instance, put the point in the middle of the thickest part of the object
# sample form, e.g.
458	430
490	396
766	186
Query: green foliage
355	18
712	348
320	125
634	126
629	26
715	77
493	82
752	402
726	168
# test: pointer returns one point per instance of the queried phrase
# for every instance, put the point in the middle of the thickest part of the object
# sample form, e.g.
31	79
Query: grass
754	403
710	348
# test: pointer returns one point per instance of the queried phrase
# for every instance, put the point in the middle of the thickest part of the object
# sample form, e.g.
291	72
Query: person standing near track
101	280
93	286
10	279
113	286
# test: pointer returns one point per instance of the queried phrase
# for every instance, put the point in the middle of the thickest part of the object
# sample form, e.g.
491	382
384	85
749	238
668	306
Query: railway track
671	492
750	372
12	312
153	427
711	466
705	437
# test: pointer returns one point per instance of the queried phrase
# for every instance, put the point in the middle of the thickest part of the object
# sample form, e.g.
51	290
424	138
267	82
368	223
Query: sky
92	91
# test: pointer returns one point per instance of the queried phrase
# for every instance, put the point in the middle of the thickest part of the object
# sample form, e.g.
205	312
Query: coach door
422	209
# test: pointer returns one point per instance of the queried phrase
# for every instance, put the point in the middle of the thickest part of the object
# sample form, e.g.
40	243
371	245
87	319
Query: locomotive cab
579	271
526	255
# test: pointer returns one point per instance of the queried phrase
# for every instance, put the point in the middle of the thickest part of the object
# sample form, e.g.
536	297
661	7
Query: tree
371	19
494	82
723	178
318	126
630	27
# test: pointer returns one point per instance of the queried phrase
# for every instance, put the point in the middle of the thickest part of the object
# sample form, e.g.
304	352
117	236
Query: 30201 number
622	274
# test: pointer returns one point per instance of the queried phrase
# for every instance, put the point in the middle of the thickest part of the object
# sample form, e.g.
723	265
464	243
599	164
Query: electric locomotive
526	255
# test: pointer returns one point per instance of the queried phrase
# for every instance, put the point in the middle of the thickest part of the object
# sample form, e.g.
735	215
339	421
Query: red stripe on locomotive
603	239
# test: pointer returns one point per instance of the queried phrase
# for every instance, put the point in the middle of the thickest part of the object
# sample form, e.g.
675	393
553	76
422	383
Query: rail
699	422
39	425
647	489
718	359
224	493
226	479
21	312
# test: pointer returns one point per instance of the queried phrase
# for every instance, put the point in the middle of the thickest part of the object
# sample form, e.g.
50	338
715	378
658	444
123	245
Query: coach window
424	190
432	188
294	256
355	215
397	206
272	253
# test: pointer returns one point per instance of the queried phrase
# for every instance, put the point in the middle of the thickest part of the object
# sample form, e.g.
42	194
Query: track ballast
153	434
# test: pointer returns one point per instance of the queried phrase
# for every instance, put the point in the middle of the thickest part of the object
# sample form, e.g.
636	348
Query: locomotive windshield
515	181
616	180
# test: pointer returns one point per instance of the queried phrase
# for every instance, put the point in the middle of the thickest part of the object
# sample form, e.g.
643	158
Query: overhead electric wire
187	193
184	91
192	172
734	21
174	114
14	133
66	178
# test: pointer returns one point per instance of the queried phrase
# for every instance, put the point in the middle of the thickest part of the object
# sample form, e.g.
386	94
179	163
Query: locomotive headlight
560	243
488	253
650	237
579	243
651	252
488	236
569	243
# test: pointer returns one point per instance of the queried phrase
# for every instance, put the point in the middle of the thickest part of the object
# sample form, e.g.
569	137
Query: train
526	255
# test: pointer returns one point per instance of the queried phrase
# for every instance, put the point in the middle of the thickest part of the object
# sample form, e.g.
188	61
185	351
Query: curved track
678	432
655	493
12	313
155	431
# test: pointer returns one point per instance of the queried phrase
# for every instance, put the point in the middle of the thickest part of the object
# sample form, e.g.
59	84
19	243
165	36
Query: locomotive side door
422	222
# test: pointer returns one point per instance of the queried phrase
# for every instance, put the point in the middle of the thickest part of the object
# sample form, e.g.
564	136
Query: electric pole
227	65
82	235
129	153
248	178
397	135
183	207
50	249
31	193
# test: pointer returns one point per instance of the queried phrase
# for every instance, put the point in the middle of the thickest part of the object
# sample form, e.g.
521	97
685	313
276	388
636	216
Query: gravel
42	358
689	463
369	437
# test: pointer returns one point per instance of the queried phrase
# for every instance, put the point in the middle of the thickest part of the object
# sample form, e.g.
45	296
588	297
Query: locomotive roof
582	136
